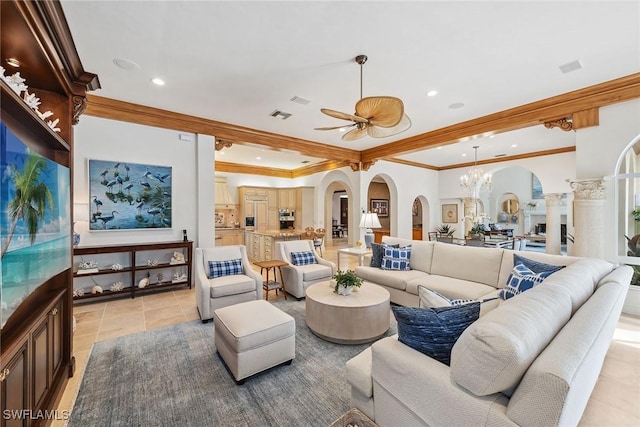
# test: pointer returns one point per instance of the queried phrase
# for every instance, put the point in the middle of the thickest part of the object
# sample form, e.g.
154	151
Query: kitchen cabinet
226	237
287	198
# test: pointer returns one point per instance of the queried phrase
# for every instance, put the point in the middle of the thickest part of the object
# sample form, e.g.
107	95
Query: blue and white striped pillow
228	267
396	258
522	279
303	258
431	298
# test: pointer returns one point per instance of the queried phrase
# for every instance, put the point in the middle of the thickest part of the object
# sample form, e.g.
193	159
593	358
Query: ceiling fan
376	116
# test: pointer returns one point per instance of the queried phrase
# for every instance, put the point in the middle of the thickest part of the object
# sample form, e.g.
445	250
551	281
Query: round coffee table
361	317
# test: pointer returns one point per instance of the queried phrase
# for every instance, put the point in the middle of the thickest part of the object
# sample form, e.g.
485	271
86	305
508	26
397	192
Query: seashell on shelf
78	292
118	286
143	283
116	267
97	289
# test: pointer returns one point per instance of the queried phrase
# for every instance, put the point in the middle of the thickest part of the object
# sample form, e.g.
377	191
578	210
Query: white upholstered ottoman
254	336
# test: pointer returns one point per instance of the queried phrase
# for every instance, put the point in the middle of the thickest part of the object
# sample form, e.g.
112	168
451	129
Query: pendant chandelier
475	181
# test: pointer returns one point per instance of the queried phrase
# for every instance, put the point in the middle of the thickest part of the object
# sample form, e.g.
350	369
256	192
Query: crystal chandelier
475	181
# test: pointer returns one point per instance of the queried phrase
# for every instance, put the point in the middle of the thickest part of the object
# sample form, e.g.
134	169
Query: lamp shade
370	220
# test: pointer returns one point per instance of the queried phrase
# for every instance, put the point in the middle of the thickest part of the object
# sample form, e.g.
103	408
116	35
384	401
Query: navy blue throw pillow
536	266
434	331
377	252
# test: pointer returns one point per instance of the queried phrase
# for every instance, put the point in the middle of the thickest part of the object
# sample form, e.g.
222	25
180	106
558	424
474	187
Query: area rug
173	377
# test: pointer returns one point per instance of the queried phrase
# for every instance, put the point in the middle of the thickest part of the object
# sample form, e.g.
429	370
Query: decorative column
469	208
553	201
588	217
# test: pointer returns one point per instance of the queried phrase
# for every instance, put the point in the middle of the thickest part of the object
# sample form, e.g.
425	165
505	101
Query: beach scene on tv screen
35	234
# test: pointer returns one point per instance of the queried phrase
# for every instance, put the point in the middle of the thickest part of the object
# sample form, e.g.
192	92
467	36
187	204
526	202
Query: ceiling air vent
304	161
500	155
280	114
300	100
571	66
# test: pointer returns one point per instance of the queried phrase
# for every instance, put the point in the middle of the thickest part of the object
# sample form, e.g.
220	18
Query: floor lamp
369	220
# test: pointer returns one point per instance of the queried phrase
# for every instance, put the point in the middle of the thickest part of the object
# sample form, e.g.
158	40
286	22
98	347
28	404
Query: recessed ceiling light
342	130
464	154
491	136
456	105
514	145
439	148
432	93
126	64
157	81
258	158
13	62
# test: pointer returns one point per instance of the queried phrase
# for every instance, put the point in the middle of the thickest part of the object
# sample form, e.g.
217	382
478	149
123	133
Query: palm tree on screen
31	199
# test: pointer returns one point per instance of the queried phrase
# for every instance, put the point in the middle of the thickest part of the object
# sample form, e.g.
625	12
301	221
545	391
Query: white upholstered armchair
297	278
224	281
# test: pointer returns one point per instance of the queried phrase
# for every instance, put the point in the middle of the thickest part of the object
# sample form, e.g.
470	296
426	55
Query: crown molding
113	109
532	114
581	106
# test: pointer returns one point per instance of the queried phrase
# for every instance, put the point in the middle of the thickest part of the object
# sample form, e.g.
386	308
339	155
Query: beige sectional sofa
531	361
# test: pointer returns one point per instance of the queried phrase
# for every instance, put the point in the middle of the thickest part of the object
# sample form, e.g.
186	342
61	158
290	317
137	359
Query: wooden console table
137	261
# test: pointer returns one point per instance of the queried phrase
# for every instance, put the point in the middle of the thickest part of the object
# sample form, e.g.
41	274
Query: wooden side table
268	285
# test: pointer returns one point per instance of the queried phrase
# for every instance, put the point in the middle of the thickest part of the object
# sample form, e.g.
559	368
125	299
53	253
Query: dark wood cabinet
36	349
33	368
135	266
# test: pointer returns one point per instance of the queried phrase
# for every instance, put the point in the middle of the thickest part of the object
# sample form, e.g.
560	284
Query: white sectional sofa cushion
472	263
531	361
492	355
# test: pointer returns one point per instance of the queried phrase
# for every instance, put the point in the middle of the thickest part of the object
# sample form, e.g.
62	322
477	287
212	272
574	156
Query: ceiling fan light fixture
375	116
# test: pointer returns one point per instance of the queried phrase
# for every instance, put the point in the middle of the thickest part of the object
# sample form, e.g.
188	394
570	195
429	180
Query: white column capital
553	199
587	189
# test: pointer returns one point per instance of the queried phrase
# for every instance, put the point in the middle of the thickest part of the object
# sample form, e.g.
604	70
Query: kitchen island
261	244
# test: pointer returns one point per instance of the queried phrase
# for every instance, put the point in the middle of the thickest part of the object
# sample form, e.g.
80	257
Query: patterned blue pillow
303	258
535	266
431	298
522	279
228	267
396	258
434	331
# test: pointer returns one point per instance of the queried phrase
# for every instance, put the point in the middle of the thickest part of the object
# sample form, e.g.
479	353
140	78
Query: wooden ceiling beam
134	113
535	113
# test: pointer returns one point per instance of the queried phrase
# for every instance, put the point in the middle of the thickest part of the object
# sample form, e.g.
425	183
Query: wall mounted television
35	229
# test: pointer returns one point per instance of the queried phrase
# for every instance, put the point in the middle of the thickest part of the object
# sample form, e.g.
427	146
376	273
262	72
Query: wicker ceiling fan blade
381	132
383	111
356	133
335	127
343	116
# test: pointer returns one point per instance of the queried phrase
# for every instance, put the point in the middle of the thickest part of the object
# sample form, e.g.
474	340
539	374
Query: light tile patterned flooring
615	400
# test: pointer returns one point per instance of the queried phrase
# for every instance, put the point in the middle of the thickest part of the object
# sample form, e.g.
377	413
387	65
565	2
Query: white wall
103	139
597	150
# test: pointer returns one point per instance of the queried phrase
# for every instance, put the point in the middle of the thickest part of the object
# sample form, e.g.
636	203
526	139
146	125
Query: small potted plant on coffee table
345	281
